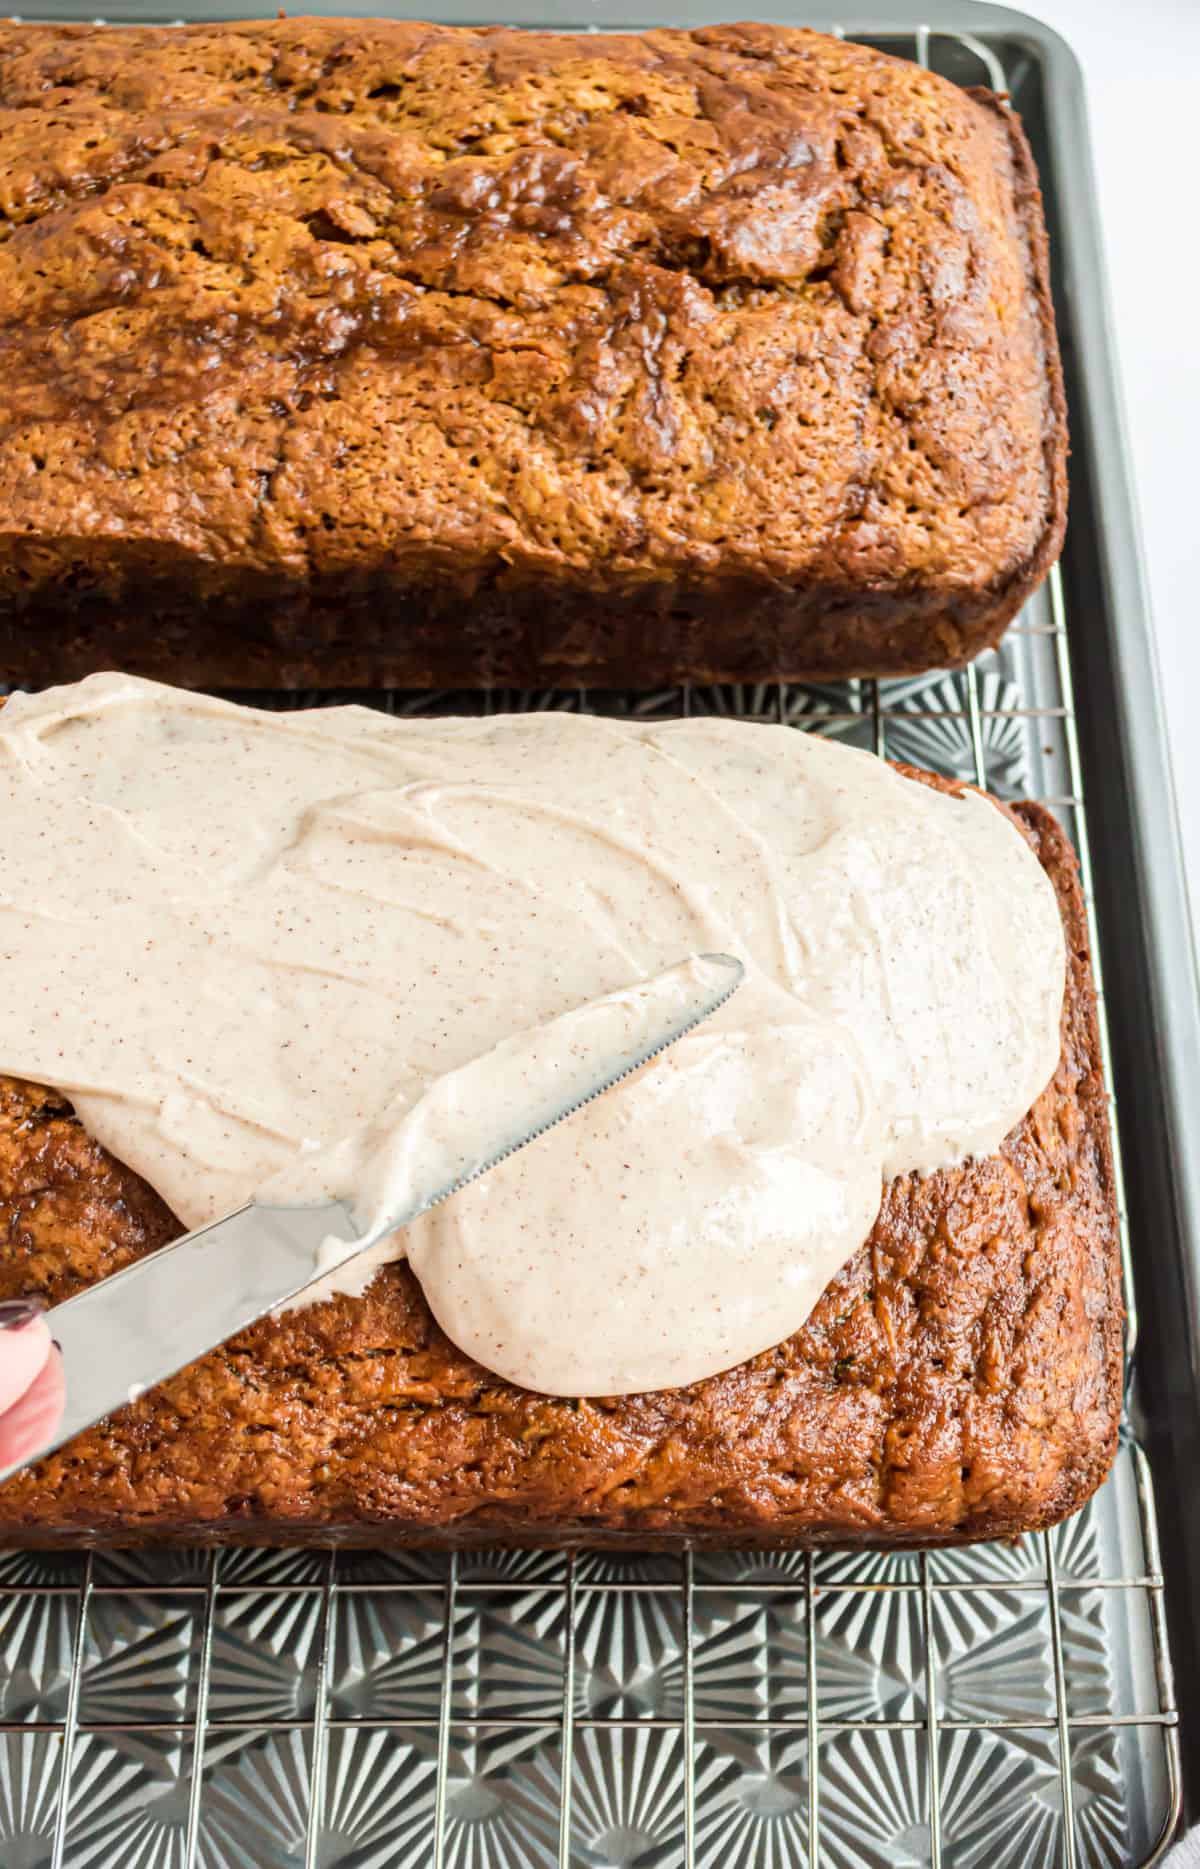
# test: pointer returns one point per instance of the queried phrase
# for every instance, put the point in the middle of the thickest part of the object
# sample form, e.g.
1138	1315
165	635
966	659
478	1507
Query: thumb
26	1427
24	1348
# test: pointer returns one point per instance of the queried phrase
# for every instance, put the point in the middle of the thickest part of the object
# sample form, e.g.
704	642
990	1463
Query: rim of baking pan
1149	943
1149	952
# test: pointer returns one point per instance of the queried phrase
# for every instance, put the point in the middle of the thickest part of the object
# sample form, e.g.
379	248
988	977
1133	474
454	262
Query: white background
1141	63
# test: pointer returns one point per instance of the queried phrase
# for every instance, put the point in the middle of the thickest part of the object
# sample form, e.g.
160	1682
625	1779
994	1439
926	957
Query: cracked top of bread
514	356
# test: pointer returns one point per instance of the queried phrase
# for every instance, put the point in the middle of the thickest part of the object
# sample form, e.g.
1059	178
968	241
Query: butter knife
130	1331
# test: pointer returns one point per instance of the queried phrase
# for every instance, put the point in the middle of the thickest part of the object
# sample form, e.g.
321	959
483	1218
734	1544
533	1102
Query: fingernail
15	1313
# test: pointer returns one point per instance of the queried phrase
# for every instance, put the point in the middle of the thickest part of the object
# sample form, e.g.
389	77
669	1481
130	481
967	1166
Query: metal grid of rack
1014	1704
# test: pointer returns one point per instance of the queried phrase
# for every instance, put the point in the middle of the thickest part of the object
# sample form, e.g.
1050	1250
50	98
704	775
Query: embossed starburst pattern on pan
996	1707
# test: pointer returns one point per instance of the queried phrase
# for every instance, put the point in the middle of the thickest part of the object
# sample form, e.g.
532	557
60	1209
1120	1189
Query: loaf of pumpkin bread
374	353
959	1379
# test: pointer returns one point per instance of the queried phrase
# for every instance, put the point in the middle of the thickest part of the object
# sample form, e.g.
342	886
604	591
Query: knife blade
133	1330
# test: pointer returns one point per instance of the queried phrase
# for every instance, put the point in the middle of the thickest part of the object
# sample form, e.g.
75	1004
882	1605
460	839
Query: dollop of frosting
235	938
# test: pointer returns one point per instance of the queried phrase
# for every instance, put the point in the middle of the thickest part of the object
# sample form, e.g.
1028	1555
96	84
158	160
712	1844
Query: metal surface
132	1330
1003	1705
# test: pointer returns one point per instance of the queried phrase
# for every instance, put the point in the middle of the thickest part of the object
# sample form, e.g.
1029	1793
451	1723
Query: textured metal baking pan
1007	1705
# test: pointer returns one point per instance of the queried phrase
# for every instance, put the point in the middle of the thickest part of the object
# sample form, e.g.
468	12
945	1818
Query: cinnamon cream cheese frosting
237	938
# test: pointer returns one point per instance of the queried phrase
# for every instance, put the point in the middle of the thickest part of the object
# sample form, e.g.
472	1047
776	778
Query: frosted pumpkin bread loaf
842	1266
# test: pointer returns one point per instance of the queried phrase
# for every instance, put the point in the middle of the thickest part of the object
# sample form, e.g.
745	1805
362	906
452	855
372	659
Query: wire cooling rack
1006	1704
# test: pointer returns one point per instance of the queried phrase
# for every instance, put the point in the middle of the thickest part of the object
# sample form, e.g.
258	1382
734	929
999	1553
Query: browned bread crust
960	1379
375	353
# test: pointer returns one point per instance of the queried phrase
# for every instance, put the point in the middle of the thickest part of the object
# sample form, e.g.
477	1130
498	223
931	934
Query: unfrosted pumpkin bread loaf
959	1379
377	353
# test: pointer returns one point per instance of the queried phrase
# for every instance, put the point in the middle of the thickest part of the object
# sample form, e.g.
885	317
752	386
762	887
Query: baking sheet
1007	1704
